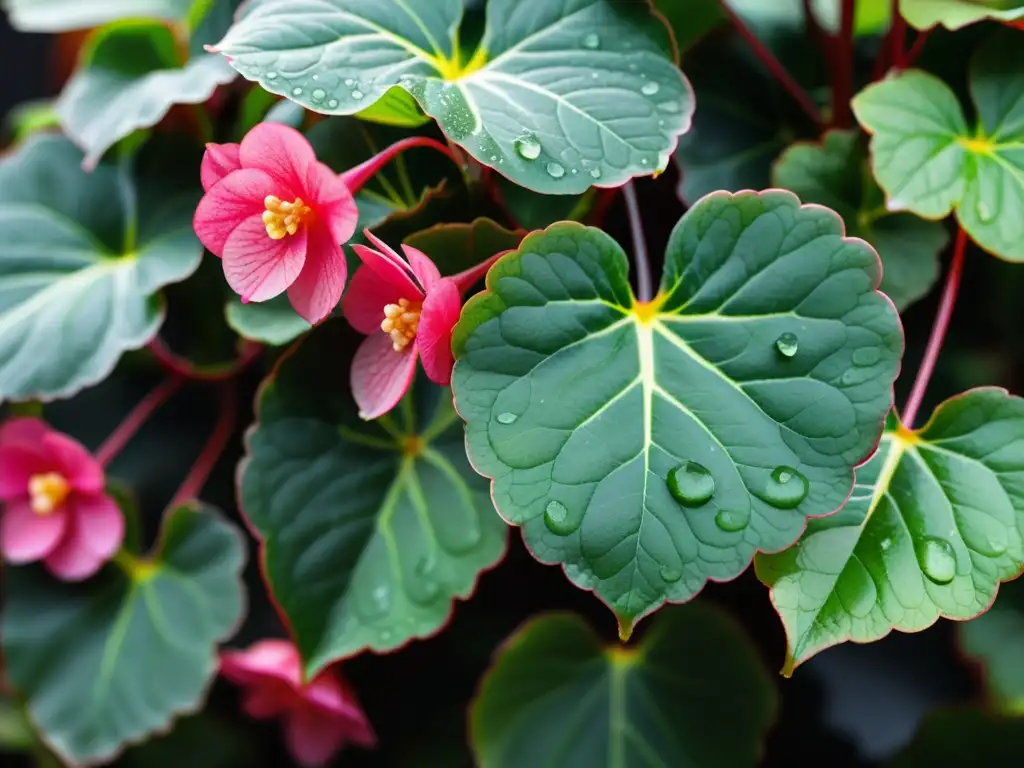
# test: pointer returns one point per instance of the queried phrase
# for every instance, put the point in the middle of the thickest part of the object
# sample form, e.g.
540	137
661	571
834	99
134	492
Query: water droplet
555	170
886	543
559	520
785	488
318	94
644	161
671	575
866	356
595	173
733	520
271	75
296	91
592	41
937	560
507	418
594	75
691	484
787	344
357	95
332	103
856	589
349	82
649	89
984	213
527	146
426	564
316	77
574	171
385	636
669	106
377	605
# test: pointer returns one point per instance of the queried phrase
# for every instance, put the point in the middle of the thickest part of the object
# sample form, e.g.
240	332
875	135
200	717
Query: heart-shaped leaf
558	97
83	257
953	14
996	640
65	15
370	530
129	79
556	696
114	659
835	173
929	162
935	522
651	447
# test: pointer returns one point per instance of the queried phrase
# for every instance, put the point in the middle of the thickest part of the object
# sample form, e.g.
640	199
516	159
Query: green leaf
114	659
457	247
935	522
31	117
369	530
996	640
396	107
748	390
929	162
559	97
835	173
963	737
954	14
272	322
532	210
555	696
130	79
65	15
84	256
690	20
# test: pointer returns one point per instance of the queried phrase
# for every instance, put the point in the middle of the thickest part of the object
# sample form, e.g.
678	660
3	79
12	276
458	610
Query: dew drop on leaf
296	91
378	605
559	520
507	418
671	575
595	173
527	146
318	94
349	82
271	75
785	488
937	560
357	95
649	89
866	356
332	103
732	520
669	106
691	484
555	170
426	565
984	213
592	41
787	344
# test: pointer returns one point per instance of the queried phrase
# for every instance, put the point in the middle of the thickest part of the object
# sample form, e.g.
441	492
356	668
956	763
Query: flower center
47	492
401	321
283	218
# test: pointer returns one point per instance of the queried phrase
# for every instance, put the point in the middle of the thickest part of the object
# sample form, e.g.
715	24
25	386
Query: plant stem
842	89
645	287
815	30
915	49
179	366
897	36
199	473
939	328
773	65
138	416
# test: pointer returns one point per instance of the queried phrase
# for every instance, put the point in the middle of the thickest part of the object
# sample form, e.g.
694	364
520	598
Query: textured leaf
996	641
64	15
755	382
555	696
559	97
929	162
77	289
457	247
935	522
963	737
953	14
835	173
114	659
370	530
272	322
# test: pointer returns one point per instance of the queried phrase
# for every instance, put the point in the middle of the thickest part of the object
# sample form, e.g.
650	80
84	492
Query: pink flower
55	508
320	716
408	312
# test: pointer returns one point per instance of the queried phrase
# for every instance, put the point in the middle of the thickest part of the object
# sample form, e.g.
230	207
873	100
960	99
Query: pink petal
26	536
282	152
265	660
424	269
333	696
318	288
269	699
333	202
72	559
257	267
23	429
78	466
366	298
389	272
381	376
238	197
387	252
218	161
440	313
313	739
470	277
17	465
99	524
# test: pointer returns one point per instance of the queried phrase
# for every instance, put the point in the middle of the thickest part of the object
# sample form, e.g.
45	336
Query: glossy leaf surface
649	448
996	641
935	522
953	14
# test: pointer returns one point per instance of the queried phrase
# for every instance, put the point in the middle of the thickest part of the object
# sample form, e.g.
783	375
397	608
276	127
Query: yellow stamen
47	492
401	322
283	218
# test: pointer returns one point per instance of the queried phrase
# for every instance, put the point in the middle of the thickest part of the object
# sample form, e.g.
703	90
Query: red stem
355	178
138	416
179	366
605	199
915	49
815	30
773	65
939	328
225	427
842	89
897	37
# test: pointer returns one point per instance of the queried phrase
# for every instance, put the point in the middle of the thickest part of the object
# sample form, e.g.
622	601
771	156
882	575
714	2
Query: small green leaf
81	267
114	659
457	247
66	15
963	736
953	14
996	640
559	96
929	162
370	530
835	173
396	107
935	522
555	696
651	447
273	322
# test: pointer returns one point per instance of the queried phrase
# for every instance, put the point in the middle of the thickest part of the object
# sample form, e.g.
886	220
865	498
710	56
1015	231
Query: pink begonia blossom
320	716
408	312
55	505
278	217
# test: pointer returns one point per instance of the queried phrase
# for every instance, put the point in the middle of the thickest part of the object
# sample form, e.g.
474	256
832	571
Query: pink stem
200	472
939	328
915	49
897	36
356	178
138	416
468	278
842	89
179	366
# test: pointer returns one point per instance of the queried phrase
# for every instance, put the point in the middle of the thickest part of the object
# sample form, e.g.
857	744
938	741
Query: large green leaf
928	160
963	736
370	530
953	14
556	697
114	659
82	257
64	15
559	97
935	522
651	447
130	78
996	641
835	173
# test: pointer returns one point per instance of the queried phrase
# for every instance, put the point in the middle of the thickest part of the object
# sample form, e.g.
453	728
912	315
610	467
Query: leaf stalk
138	416
645	286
